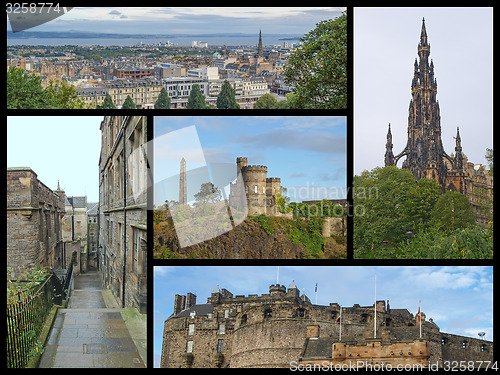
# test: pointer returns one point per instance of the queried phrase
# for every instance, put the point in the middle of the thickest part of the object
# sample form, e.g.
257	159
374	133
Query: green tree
129	103
266	101
196	98
208	194
108	103
25	91
379	221
318	69
452	211
227	97
163	101
64	96
420	200
468	243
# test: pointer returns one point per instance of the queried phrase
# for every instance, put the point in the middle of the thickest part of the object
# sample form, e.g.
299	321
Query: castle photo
236	187
438	183
326	316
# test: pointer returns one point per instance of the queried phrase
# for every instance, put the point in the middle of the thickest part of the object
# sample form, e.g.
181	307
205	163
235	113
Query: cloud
315	141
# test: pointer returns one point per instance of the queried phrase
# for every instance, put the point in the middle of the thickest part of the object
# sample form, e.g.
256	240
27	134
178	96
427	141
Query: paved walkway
91	334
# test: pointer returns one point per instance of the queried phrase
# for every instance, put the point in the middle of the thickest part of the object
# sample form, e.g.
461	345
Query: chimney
191	300
179	304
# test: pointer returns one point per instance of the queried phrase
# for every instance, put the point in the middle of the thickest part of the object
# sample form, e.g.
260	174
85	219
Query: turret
277	290
458	151
389	156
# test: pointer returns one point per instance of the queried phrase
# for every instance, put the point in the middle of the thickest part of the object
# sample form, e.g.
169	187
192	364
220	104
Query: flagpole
278	277
420	318
375	306
340	329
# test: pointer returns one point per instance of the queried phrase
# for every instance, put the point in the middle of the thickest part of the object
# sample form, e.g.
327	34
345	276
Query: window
189	347
244	319
220	345
222	329
268	314
226	313
191	329
464	344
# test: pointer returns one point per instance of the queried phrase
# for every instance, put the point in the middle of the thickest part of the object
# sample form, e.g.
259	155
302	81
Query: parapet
273	179
255	168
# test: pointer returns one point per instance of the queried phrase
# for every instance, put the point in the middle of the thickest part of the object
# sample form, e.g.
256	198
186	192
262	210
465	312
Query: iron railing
26	317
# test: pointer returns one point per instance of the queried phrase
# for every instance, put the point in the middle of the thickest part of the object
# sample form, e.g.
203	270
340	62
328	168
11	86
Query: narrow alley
94	332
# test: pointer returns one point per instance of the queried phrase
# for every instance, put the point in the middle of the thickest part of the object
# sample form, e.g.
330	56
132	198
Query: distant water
181	41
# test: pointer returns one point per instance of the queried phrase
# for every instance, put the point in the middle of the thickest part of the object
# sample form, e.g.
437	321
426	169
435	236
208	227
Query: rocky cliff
255	238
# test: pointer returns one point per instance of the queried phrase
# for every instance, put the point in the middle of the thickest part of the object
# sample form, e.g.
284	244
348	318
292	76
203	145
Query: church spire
260	51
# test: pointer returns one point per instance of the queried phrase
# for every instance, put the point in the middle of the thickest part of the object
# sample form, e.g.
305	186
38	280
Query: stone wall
34	214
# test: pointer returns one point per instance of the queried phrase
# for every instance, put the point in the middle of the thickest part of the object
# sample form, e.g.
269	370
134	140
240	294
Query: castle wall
274	330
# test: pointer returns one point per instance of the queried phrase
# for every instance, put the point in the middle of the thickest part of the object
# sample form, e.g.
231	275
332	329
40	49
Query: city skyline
195	20
442	290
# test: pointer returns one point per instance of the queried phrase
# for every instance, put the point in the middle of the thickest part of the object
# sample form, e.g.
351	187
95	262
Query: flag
316	288
418	314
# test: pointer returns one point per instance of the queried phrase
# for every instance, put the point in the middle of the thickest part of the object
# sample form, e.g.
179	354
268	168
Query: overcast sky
194	20
58	148
385	49
458	299
308	153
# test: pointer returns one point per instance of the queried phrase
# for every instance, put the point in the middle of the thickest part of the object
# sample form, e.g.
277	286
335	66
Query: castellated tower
259	189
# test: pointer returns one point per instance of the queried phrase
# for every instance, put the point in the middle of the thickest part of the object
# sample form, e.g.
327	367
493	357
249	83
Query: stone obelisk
182	183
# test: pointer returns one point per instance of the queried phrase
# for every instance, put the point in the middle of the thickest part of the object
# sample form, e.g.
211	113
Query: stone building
283	328
424	151
92	234
259	189
34	221
122	209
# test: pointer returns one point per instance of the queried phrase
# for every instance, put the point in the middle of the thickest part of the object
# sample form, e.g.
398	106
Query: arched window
444	340
267	313
244	319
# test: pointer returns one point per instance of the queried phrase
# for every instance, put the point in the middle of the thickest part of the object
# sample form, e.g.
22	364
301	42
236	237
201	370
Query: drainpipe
124	217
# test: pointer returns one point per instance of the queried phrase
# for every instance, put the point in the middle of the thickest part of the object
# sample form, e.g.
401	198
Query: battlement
273	179
255	168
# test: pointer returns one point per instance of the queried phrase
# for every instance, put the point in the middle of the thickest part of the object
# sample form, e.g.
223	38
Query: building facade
283	328
424	151
122	214
34	222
